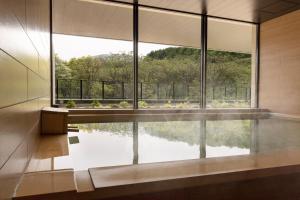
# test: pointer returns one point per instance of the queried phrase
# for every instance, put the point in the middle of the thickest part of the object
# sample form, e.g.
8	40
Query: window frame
202	62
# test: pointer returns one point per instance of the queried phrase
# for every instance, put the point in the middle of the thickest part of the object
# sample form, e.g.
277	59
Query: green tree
62	71
177	65
87	69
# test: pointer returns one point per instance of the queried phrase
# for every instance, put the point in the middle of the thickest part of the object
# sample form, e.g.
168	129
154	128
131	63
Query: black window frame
203	57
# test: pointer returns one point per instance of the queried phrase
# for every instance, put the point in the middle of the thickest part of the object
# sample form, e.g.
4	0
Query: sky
68	47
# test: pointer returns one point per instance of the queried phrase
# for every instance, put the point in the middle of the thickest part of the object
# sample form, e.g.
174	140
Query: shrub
124	104
71	104
96	104
143	104
183	105
168	105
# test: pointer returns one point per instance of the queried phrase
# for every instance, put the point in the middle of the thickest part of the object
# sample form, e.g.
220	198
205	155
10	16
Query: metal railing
118	90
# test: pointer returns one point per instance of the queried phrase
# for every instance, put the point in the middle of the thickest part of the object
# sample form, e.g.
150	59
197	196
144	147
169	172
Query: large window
230	64
94	55
169	69
94	58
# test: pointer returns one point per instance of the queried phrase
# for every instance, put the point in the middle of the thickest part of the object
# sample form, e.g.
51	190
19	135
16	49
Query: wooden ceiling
257	11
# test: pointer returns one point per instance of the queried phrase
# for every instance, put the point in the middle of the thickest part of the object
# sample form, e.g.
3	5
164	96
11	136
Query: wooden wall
280	64
24	84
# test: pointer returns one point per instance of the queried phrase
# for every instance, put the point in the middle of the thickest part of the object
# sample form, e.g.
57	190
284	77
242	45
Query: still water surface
125	143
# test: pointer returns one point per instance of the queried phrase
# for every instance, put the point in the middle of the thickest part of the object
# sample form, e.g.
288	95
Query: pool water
125	143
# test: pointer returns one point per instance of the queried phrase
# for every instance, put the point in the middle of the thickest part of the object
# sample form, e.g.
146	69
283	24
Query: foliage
223	104
168	104
230	133
164	67
96	104
183	105
62	71
71	104
175	52
122	128
124	104
227	68
143	104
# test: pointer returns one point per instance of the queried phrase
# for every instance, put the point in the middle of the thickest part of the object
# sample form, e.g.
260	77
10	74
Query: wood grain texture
50	185
24	84
11	172
54	123
280	64
16	74
14	39
247	10
276	188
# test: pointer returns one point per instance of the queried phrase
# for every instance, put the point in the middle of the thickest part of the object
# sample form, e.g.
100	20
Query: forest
171	74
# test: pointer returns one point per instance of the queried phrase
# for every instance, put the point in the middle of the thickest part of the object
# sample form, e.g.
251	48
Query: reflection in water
202	139
234	133
135	143
111	144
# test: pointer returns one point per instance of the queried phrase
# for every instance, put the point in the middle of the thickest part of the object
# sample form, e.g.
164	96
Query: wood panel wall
24	84
279	88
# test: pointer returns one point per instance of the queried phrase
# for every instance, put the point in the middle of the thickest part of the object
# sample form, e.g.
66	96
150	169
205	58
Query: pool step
260	176
53	185
50	185
263	171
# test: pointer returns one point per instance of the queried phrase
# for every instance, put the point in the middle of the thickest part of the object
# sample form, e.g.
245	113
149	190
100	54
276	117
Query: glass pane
230	64
93	54
169	69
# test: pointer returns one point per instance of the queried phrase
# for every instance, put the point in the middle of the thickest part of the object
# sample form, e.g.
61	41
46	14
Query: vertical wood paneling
24	84
14	39
280	64
11	133
37	12
18	7
34	85
13	75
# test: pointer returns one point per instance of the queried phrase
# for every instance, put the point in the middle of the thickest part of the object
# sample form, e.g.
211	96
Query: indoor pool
126	143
